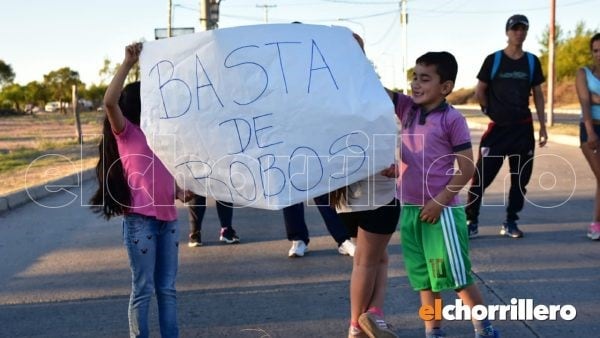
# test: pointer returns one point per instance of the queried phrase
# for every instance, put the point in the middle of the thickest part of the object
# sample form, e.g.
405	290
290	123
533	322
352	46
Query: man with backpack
506	80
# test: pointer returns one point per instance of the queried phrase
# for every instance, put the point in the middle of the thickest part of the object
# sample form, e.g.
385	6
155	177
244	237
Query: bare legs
369	273
593	160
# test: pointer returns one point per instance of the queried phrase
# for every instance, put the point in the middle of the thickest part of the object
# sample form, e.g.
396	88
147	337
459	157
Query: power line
363	3
512	10
266	7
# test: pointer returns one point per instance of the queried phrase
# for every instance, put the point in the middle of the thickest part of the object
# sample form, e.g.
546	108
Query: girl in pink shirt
135	184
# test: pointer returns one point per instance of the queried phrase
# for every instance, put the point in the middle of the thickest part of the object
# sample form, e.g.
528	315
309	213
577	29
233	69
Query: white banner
268	115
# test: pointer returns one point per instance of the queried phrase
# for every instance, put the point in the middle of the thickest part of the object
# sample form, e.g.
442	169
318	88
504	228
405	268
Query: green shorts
436	256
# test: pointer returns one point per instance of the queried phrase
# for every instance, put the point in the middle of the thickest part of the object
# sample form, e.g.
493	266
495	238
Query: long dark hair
338	197
113	195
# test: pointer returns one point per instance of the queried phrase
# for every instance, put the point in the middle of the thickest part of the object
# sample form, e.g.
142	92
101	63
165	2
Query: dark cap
515	20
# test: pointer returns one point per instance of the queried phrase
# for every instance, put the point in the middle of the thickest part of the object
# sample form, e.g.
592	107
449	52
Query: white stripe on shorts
457	264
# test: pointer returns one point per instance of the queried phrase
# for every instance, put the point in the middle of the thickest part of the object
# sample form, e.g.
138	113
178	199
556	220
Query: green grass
69	118
18	158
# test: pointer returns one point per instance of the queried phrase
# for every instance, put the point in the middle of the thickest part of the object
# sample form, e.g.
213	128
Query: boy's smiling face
427	91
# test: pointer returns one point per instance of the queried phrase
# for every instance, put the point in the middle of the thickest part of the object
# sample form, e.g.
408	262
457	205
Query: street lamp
170	31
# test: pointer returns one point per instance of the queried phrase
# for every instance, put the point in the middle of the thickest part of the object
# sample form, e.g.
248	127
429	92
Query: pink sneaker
354	332
594	231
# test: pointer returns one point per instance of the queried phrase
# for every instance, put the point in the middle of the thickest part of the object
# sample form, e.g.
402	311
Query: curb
19	198
567	140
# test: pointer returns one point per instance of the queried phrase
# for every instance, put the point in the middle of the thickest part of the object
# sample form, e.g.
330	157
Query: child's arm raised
113	92
433	208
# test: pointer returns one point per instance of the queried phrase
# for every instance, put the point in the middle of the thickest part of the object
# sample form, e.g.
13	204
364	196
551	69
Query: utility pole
169	33
266	7
404	45
75	105
551	65
200	14
204	5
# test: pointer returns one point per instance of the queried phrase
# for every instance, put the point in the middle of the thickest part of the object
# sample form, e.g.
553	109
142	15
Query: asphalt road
64	271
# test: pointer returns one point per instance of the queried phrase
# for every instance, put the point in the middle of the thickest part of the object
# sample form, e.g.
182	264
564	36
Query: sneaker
195	239
298	249
347	248
473	229
354	332
435	333
228	236
510	229
594	231
488	332
375	327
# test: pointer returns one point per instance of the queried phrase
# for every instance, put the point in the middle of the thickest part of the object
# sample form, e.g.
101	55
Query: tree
543	40
108	71
571	51
14	94
94	93
6	74
36	93
59	82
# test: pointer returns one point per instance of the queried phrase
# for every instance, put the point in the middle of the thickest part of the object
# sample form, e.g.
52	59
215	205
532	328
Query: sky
39	36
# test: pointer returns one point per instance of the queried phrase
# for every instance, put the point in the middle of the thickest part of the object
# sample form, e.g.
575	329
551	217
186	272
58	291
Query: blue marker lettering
225	63
209	84
326	66
173	84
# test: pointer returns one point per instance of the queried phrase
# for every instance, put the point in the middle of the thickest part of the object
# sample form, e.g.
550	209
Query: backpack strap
531	62
498	57
496	64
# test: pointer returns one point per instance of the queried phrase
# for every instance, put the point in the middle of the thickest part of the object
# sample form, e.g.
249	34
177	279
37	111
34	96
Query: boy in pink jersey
433	225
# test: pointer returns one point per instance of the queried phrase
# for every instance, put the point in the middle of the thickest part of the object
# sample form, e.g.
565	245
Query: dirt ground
54	137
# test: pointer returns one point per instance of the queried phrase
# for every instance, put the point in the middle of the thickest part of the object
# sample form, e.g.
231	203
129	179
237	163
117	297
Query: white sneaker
298	249
347	248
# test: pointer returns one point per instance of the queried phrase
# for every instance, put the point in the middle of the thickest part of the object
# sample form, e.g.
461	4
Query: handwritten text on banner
268	115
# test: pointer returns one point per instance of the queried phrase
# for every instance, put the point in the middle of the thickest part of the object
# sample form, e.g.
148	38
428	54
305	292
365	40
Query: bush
9	112
462	96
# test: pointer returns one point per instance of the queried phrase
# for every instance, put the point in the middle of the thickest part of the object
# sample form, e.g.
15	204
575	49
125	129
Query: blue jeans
152	246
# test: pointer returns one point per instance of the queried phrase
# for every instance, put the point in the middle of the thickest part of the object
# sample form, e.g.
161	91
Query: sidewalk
35	193
565	116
